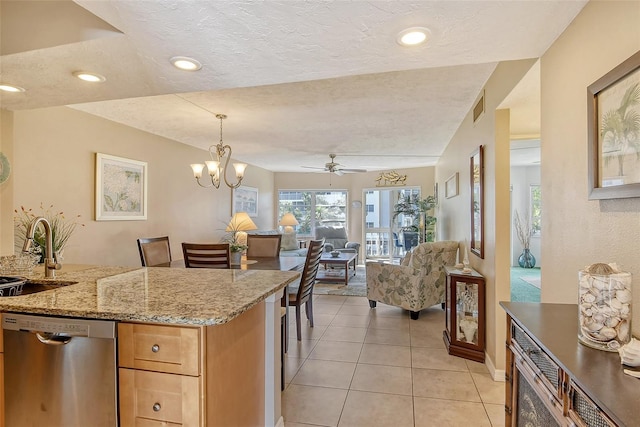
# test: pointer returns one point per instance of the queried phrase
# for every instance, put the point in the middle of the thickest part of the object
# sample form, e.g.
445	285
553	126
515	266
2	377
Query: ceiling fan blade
313	167
339	172
353	170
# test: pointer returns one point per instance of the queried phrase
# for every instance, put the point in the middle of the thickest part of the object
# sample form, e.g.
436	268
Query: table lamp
288	221
239	224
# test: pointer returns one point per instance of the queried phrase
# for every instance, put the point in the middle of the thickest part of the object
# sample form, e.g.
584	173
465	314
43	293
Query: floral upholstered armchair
416	284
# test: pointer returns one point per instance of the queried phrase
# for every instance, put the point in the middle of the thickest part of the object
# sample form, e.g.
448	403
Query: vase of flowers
523	231
62	228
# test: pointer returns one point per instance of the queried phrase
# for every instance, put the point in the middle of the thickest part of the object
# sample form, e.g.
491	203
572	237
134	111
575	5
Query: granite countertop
152	294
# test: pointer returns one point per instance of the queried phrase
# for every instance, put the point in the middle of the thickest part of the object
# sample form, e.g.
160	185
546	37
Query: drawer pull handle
156	407
155	348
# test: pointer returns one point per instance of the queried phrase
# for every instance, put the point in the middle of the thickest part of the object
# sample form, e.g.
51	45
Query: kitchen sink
35	286
11	286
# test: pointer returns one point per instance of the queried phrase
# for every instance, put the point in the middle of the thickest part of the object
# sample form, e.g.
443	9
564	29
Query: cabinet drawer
540	363
154	398
170	349
584	412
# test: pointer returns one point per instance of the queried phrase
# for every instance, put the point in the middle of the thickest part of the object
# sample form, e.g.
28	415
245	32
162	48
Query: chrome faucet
50	258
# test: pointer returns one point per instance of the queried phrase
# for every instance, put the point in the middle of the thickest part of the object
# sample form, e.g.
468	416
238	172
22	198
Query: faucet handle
57	265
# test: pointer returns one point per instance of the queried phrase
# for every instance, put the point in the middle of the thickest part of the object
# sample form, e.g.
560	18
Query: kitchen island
221	328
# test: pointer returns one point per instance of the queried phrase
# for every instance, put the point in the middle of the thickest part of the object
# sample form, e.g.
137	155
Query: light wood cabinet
156	397
193	376
170	349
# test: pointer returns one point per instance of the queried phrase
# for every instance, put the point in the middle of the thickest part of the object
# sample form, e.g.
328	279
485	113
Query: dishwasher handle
52	339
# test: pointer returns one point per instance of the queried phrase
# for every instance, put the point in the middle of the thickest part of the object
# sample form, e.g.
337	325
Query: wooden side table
465	314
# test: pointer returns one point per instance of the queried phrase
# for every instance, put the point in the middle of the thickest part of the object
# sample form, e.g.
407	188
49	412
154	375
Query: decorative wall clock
5	168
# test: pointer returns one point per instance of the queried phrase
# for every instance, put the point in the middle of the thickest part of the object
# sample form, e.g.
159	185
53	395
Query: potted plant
523	231
62	229
412	206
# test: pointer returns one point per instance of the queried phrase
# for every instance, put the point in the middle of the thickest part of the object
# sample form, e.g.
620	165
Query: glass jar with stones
604	307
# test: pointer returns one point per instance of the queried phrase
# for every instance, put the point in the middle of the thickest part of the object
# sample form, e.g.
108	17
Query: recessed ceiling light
185	63
413	36
11	88
89	77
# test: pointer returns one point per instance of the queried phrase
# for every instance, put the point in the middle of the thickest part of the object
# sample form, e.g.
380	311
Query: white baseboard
280	422
496	374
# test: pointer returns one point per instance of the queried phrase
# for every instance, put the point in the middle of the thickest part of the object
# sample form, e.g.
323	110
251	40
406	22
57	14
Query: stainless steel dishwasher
59	371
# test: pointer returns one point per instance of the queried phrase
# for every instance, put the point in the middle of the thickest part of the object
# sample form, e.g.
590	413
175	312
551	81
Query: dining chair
206	255
154	251
304	293
267	245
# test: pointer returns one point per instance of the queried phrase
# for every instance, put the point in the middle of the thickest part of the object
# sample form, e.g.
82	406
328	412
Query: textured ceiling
298	79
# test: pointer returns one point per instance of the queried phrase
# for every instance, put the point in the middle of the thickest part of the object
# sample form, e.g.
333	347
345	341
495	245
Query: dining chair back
304	293
199	255
154	251
267	245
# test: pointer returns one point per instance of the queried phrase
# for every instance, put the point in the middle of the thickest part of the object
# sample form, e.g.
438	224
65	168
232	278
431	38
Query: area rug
357	285
522	291
532	280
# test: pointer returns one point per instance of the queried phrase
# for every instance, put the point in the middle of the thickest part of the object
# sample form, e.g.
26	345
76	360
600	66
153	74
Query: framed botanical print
121	189
613	108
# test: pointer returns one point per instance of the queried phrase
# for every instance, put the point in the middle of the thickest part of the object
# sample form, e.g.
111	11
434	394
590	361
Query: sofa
419	282
289	245
336	239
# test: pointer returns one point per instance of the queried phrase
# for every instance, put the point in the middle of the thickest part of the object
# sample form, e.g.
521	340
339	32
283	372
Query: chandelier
214	167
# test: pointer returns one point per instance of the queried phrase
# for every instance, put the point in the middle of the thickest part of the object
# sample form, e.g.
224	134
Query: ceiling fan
336	168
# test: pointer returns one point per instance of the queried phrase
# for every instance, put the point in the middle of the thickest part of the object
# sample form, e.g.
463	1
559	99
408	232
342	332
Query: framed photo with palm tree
614	132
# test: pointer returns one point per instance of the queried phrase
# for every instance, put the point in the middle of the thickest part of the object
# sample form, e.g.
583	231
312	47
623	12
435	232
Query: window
370	208
535	207
314	208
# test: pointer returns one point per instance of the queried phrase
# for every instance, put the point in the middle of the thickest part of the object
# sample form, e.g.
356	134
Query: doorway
384	240
526	211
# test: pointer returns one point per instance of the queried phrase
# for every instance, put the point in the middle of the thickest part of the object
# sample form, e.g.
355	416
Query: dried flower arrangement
61	228
523	229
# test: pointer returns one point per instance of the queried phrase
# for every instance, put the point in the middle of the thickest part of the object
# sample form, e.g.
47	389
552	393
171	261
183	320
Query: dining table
283	263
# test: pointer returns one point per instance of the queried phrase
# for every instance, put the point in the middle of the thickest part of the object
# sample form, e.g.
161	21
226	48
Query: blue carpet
522	291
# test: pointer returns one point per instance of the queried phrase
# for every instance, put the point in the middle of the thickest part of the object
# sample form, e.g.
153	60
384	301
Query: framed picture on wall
613	120
121	189
245	199
451	186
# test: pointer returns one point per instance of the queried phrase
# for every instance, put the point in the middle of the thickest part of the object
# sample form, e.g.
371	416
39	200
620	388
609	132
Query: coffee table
345	260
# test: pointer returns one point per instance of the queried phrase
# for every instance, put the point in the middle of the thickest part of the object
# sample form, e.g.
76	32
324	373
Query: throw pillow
289	242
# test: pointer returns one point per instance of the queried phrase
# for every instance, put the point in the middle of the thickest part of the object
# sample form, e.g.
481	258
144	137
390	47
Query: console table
553	380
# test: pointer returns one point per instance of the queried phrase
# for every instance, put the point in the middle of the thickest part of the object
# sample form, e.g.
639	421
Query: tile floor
364	367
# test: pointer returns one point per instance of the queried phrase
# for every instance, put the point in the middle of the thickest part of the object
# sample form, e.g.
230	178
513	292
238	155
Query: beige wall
577	231
354	184
454	222
6	188
54	163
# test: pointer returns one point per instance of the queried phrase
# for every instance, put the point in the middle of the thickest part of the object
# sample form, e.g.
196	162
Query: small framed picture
245	199
121	189
451	186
